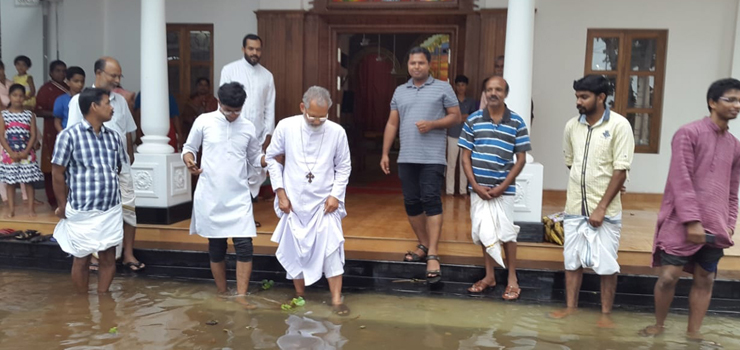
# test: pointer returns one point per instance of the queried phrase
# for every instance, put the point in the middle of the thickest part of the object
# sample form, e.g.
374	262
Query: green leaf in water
286	307
113	330
267	284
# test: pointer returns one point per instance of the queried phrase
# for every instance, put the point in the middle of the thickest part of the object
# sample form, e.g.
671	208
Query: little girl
18	166
22	64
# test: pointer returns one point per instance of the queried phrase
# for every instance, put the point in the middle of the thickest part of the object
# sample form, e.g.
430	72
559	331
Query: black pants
242	246
422	188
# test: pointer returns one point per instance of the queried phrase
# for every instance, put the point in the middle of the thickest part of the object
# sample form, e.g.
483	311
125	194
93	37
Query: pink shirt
4	95
702	185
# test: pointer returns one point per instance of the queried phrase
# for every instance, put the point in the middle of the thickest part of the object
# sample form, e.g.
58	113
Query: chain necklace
310	175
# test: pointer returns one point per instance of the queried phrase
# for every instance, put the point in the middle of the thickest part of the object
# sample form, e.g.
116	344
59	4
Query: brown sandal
512	293
480	287
413	257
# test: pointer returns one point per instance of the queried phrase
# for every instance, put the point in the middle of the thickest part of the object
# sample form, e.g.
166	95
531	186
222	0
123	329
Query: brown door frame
380	25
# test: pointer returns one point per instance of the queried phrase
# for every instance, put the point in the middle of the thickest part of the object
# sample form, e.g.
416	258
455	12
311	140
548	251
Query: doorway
370	66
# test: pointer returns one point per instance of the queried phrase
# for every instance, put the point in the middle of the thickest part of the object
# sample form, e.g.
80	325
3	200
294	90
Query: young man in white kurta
222	206
260	106
310	189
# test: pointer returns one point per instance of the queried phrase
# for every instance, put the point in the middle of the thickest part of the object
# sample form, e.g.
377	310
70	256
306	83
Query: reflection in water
39	311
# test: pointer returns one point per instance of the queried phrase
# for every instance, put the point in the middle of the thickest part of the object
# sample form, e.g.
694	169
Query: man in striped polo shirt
490	139
422	110
598	146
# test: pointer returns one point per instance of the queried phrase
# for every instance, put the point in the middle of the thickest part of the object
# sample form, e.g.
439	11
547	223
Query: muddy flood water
38	310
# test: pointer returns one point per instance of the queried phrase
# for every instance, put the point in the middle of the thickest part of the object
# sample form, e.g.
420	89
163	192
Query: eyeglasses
320	119
114	76
230	112
729	100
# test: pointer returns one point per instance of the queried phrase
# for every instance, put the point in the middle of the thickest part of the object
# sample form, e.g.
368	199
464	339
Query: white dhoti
493	223
591	247
83	233
310	245
128	197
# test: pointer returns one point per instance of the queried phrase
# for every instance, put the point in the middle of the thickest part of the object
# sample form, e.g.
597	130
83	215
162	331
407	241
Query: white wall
22	34
700	45
93	28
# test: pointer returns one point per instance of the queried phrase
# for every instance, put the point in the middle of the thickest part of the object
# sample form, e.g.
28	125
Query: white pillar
52	48
518	56
154	90
736	53
161	180
518	73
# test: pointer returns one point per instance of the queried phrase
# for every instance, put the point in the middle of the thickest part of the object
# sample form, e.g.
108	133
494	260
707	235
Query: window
189	57
634	62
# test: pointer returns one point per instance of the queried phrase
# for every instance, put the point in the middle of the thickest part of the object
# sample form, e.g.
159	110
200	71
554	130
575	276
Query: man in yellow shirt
598	146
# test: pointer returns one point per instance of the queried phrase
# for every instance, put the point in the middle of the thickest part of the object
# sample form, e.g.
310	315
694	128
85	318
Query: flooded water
39	311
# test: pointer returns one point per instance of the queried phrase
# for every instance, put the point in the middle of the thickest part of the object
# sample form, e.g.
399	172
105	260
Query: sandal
413	257
93	267
8	233
512	293
433	276
39	239
340	310
26	235
134	266
480	287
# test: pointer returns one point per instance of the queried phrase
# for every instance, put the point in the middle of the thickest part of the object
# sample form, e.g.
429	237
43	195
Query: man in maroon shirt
45	98
698	215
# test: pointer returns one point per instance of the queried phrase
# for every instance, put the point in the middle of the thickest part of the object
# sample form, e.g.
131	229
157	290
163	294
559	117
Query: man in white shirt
222	206
260	105
108	77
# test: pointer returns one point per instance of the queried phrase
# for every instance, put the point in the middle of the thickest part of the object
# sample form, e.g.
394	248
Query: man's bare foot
651	331
32	214
605	321
242	300
563	313
9	215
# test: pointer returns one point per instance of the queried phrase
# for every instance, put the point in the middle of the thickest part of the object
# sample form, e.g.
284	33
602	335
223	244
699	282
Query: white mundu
317	165
259	108
222	206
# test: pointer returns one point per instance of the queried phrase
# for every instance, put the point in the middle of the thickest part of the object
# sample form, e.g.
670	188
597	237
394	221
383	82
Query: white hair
317	94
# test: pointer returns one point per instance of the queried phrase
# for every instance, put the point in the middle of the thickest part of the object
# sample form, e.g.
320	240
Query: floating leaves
113	330
295	302
267	284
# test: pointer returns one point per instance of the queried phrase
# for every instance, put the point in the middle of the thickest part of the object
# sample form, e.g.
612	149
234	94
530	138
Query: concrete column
52	45
154	88
161	180
518	73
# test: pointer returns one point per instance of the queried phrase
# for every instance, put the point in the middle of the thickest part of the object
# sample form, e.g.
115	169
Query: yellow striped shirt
593	153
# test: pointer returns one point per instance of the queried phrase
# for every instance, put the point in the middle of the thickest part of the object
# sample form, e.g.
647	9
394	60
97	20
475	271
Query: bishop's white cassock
222	206
310	242
259	108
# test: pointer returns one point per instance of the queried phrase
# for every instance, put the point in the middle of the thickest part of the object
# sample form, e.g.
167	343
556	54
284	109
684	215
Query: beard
253	60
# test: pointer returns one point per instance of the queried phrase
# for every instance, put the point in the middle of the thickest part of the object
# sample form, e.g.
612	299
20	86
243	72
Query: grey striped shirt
414	104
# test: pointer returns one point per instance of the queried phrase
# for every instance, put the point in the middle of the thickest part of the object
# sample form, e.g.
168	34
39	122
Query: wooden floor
376	228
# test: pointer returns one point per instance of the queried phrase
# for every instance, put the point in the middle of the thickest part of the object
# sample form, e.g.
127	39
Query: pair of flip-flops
19	235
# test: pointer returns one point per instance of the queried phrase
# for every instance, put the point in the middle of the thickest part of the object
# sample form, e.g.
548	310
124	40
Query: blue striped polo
493	146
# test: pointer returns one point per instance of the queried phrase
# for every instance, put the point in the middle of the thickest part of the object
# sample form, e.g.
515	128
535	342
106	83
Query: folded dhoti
493	223
85	232
591	247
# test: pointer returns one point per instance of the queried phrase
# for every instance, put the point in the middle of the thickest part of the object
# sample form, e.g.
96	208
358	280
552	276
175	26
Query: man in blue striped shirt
490	139
88	157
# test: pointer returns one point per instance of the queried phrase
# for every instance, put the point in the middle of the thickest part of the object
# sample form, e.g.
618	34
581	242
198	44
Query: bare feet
605	321
563	313
242	300
9	215
32	214
651	331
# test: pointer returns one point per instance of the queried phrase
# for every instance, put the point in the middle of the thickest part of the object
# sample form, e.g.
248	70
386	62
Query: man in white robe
222	206
310	189
260	106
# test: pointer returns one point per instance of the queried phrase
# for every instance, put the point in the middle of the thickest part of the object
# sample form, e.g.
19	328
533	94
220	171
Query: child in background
22	64
19	166
76	81
5	84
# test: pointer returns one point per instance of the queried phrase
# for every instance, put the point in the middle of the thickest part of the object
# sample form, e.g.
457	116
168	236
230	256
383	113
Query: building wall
22	34
700	46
